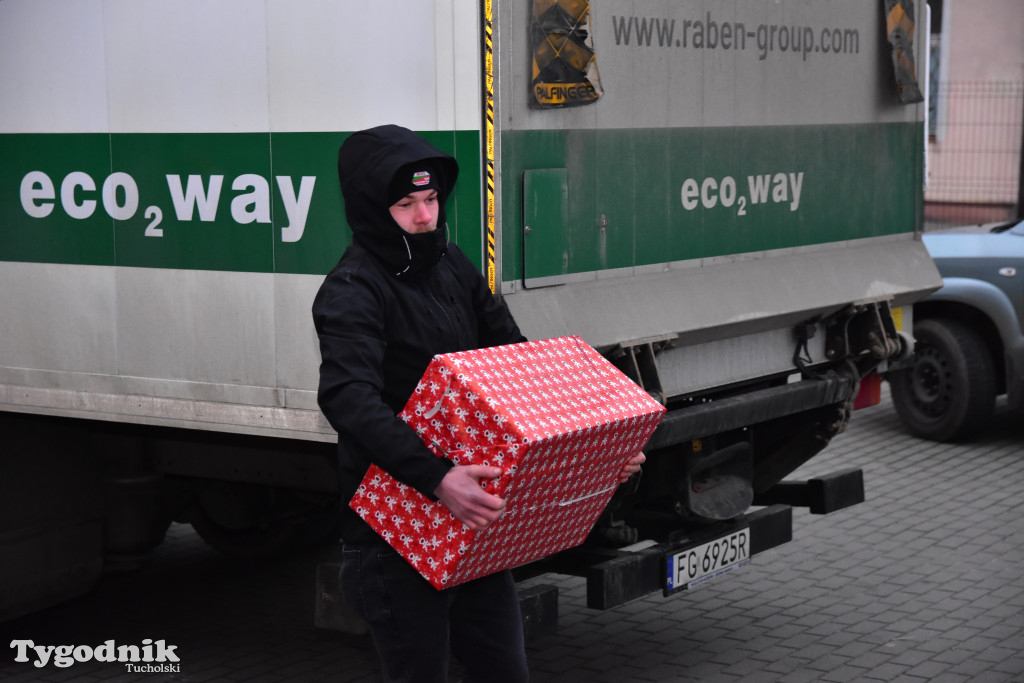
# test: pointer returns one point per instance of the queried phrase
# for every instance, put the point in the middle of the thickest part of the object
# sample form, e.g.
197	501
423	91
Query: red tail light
870	392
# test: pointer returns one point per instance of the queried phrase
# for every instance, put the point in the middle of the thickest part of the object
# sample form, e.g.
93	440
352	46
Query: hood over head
368	162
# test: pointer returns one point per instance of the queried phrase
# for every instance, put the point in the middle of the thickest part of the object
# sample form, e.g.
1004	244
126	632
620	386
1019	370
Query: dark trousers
415	626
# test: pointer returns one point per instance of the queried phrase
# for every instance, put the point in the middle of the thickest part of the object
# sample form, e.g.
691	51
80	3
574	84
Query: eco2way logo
119	195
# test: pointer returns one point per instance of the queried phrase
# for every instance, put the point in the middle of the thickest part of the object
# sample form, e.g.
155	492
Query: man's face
417	212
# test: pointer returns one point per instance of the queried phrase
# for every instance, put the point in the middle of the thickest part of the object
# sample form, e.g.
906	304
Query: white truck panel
66	77
677	85
58	317
150	66
186	66
136	332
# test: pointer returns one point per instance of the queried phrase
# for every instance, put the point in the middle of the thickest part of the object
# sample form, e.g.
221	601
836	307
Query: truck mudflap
671	567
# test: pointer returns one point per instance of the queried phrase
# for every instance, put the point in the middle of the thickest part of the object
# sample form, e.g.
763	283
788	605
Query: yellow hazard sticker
564	69
897	318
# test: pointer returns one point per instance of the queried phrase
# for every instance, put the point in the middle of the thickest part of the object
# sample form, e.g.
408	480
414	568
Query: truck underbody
714	456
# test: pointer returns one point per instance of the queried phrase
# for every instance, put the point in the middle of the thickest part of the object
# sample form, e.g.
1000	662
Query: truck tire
313	528
250	521
949	392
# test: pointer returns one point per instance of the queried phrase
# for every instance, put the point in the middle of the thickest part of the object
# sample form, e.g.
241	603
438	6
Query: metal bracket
862	329
638	361
821	495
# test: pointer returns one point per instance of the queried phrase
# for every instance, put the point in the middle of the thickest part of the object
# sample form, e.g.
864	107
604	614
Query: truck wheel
250	543
949	392
275	538
247	521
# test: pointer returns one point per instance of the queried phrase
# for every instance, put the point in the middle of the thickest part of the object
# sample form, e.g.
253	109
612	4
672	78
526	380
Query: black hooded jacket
391	304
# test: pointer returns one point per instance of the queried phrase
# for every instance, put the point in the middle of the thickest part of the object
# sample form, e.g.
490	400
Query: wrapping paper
555	416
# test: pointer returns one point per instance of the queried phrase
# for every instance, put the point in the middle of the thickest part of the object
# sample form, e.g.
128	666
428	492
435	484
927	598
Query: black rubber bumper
751	408
632	575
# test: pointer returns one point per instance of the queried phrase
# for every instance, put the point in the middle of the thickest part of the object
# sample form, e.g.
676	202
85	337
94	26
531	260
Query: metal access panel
720	129
545	215
732	168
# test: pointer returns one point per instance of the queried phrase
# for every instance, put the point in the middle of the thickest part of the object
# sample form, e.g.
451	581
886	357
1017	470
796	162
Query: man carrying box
401	294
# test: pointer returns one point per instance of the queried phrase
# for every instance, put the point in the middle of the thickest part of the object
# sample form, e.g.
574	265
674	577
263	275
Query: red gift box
560	422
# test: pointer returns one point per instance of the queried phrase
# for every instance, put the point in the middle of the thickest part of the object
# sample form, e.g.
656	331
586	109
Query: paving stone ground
922	582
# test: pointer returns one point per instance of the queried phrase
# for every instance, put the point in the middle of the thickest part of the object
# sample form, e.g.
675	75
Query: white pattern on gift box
560	463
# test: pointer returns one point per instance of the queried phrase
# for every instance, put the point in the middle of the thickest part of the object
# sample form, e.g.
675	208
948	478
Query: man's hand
461	493
632	466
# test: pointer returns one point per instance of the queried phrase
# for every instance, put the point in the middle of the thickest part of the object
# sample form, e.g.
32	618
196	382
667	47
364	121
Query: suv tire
949	391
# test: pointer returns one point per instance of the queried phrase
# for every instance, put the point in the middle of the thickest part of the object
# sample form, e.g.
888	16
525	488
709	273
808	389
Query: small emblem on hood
421	178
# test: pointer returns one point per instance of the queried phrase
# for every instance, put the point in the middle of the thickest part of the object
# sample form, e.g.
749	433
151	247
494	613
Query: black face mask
409	256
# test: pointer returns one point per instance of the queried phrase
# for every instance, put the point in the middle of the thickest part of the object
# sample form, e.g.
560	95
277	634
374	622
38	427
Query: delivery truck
724	199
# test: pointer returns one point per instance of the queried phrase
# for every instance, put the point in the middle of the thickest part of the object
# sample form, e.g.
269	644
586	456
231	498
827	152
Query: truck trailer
724	199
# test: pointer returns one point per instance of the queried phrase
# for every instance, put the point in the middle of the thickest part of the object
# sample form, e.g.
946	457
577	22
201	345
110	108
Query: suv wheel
949	391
